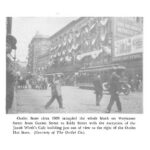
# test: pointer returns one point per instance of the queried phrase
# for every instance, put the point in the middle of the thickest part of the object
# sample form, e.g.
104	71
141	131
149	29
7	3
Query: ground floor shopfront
133	64
134	69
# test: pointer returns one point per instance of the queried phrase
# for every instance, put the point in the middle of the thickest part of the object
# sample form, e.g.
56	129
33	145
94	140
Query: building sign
128	46
127	27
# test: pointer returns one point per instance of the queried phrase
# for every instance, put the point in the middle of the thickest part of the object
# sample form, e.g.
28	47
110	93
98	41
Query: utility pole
9	33
8	25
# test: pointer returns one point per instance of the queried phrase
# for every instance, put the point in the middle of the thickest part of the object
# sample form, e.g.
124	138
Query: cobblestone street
75	100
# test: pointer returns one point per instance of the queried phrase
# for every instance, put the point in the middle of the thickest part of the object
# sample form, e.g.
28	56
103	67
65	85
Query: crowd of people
34	83
136	83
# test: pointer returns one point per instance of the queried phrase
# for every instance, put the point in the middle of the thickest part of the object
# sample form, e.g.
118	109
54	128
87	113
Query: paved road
75	101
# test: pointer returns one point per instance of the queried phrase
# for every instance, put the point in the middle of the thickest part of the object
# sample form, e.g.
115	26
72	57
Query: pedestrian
10	74
55	93
140	85
114	87
98	88
137	82
132	84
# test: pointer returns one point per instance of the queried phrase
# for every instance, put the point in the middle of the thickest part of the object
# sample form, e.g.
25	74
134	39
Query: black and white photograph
74	65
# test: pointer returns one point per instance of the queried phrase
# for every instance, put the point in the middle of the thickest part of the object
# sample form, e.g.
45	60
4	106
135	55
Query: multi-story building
88	42
38	54
84	42
127	47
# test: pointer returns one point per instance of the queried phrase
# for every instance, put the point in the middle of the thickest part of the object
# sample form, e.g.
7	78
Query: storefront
134	65
129	53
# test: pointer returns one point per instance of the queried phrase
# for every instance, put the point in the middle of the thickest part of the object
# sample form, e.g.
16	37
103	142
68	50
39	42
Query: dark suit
98	90
114	96
54	95
10	84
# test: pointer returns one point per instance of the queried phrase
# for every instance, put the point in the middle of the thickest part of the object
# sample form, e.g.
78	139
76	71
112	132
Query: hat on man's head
12	41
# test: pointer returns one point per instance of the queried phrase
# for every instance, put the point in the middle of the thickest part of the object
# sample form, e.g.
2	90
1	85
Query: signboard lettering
128	46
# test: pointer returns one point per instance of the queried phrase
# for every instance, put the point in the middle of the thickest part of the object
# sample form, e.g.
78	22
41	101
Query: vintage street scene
74	65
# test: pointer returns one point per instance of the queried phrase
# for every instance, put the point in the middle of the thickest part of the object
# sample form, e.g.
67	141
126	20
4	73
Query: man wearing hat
114	92
10	77
55	92
10	43
98	88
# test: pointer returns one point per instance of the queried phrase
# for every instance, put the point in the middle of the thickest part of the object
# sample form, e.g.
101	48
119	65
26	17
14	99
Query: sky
25	28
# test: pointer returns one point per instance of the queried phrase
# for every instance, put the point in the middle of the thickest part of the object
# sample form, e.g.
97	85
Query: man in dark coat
55	93
10	76
114	87
98	89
